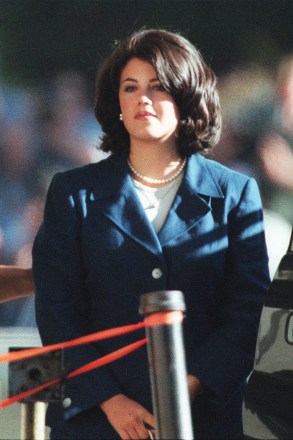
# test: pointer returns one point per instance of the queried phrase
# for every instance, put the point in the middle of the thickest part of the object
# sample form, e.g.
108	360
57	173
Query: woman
155	215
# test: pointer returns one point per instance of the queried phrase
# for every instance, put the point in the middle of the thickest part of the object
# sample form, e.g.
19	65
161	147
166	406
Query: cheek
172	112
125	105
170	108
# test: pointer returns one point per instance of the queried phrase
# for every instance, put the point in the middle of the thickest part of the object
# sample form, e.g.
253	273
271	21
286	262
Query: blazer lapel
192	201
119	202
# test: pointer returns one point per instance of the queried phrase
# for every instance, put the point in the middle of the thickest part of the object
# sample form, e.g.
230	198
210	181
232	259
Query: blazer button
66	402
157	273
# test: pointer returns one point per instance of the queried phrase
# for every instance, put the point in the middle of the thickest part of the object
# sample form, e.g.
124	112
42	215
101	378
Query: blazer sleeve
61	296
224	360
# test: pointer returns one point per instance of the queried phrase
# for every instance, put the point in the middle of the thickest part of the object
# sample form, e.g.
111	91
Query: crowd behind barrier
51	127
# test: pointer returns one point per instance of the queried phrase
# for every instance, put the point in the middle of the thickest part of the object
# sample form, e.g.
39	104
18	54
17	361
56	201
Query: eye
129	88
159	87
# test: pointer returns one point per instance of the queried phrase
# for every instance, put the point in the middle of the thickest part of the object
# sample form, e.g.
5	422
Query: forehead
138	69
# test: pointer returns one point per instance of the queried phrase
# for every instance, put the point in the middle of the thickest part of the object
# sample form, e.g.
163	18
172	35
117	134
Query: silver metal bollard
167	363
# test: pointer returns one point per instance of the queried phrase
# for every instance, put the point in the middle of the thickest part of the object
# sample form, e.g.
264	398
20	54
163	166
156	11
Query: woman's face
149	112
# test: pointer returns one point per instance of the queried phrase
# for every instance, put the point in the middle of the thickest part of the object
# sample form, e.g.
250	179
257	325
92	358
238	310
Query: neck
156	161
157	164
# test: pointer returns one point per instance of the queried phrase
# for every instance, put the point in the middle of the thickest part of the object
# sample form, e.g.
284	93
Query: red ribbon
155	319
93	337
88	367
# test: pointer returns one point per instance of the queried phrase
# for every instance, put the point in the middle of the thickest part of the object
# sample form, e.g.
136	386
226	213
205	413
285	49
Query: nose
145	97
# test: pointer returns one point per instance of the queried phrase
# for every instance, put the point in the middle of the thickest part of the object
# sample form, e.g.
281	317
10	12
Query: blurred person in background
44	129
155	215
275	147
251	114
70	133
275	153
18	183
18	186
247	95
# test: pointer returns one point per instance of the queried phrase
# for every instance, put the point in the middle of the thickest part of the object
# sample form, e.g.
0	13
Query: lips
144	115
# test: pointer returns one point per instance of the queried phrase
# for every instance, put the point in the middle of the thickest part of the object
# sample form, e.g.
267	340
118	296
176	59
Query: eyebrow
134	80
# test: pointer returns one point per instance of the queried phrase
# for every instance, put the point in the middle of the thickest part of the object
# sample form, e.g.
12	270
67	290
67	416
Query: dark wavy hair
181	71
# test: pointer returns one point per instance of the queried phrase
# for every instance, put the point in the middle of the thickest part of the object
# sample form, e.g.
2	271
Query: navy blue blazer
95	254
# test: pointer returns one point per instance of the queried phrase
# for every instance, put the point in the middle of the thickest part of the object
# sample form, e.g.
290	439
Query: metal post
33	421
167	364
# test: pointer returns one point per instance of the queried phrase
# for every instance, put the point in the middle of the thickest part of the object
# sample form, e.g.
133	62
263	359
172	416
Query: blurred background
49	53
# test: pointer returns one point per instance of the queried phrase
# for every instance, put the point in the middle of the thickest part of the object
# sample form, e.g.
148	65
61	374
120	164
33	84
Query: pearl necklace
157	181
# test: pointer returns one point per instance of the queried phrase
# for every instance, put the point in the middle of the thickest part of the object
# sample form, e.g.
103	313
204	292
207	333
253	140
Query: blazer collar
193	200
114	170
199	177
119	202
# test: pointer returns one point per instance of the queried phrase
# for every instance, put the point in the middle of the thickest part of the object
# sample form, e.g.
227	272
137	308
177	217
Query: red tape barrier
93	337
88	367
155	319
